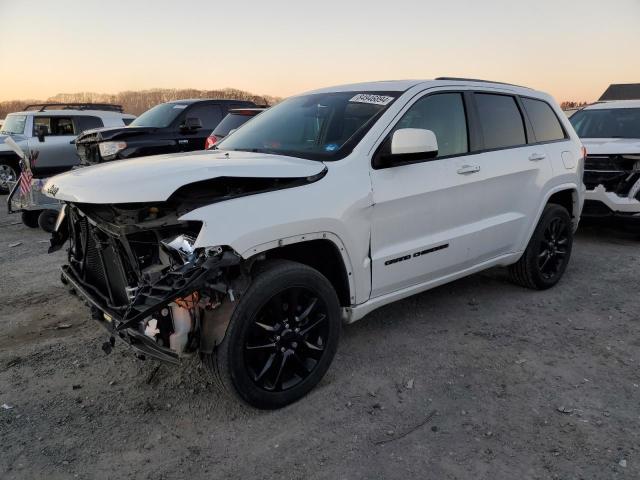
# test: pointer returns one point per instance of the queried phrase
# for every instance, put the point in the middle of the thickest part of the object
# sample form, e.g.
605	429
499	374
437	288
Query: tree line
136	102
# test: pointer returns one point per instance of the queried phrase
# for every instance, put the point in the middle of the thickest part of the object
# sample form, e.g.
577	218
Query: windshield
159	116
321	126
607	123
14	124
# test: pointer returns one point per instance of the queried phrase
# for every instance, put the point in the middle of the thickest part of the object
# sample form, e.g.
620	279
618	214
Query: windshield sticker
331	147
180	106
373	99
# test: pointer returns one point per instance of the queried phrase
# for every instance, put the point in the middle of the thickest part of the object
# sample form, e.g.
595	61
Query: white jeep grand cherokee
320	210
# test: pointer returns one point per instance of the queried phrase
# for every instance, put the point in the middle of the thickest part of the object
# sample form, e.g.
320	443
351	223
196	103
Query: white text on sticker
370	98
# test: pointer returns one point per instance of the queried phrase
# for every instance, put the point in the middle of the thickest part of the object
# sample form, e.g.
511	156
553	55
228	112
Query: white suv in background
50	129
321	209
610	131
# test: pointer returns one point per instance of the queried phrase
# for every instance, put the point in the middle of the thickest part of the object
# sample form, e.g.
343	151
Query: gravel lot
476	379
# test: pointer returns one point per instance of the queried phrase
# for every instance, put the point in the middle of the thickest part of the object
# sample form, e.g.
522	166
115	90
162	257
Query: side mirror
414	141
41	132
192	123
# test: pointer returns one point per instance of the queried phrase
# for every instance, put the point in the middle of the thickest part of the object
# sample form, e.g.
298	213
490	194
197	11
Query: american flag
26	175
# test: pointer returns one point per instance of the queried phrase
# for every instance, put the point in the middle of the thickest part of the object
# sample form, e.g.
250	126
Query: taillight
210	142
583	152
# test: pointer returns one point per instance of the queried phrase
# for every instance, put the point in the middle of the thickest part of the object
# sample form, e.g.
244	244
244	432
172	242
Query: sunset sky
571	48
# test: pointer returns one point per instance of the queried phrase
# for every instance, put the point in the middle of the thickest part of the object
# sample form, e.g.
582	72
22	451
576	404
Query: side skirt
357	312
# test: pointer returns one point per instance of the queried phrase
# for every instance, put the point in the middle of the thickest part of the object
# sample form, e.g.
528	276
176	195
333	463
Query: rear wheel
47	220
282	336
30	218
547	255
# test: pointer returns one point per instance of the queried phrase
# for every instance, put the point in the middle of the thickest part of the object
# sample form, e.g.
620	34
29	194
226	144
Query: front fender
257	223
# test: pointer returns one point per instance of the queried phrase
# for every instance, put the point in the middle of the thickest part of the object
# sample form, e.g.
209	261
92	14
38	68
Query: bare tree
137	102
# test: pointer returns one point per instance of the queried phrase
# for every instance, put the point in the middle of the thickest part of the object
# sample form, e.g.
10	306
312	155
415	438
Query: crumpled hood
113	133
154	179
611	146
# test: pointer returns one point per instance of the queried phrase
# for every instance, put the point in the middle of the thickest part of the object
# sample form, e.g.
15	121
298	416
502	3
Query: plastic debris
6	407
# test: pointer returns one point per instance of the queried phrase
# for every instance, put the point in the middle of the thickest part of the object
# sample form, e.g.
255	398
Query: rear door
550	135
513	173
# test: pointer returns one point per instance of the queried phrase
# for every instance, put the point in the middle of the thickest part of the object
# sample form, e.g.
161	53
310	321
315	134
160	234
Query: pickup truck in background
172	127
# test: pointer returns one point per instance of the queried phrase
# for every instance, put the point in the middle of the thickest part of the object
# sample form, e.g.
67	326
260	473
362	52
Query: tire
548	252
271	362
47	220
30	218
8	173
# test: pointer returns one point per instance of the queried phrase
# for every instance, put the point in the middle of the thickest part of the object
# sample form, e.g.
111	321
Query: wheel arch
566	195
323	251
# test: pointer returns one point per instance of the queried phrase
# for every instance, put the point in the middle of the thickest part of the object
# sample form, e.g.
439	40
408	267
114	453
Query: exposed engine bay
616	173
146	283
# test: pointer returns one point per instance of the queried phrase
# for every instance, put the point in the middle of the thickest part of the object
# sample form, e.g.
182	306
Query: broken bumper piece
113	322
601	203
127	323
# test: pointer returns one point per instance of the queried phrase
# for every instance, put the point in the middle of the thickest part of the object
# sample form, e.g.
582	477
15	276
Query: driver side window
444	115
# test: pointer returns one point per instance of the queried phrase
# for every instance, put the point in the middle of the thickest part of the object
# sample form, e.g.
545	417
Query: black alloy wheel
553	248
547	255
281	338
286	339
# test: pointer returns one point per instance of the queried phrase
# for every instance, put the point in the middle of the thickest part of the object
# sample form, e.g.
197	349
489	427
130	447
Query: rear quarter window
544	121
501	121
87	122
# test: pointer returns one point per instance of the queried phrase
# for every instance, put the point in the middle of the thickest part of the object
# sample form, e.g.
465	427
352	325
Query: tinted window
501	121
54	125
127	121
231	121
87	123
209	115
444	115
545	124
160	116
607	123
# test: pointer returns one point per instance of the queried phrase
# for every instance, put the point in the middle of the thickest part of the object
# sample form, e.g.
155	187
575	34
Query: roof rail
41	107
480	81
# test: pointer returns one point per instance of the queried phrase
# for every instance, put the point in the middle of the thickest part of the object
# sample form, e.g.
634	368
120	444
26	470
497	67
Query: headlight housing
110	149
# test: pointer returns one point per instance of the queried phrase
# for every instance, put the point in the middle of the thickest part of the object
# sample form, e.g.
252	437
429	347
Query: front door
56	152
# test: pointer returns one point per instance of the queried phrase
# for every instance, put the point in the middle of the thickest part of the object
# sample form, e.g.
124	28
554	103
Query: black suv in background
177	126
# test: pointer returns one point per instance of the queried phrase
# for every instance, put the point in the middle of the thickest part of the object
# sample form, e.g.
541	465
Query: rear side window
209	115
231	121
501	121
87	122
546	125
444	115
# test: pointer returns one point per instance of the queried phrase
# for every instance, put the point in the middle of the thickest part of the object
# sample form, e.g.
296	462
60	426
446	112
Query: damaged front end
613	185
137	267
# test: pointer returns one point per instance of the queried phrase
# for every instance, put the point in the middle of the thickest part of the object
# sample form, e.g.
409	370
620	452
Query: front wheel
547	255
47	220
30	218
282	336
8	174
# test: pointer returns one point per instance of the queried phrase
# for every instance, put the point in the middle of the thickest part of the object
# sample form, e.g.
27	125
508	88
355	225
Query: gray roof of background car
404	85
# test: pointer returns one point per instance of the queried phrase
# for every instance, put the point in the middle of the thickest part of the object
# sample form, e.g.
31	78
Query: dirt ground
478	379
